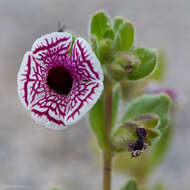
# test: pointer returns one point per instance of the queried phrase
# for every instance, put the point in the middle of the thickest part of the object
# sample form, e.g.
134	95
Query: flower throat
60	80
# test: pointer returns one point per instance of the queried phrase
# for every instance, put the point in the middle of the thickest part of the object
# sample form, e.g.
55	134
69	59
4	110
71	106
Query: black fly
139	145
61	27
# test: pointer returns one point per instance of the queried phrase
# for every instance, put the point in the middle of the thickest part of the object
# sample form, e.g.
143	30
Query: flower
59	85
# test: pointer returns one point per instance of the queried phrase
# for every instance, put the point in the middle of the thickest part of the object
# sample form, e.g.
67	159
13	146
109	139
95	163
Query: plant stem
107	154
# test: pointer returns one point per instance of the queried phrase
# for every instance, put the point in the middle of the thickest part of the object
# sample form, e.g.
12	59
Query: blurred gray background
34	158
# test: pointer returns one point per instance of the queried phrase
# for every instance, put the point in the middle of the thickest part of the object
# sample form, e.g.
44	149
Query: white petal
30	80
85	65
82	99
51	48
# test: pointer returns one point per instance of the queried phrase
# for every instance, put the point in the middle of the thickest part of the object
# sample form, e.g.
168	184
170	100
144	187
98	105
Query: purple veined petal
58	112
82	98
84	63
50	111
30	80
52	48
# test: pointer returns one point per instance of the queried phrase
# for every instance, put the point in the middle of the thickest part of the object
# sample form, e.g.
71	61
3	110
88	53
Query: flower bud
105	50
128	61
122	66
116	71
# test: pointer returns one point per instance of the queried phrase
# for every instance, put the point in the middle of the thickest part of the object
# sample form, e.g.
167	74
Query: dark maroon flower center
60	80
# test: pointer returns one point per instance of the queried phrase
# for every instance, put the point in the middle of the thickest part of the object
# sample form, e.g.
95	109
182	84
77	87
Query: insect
139	145
61	27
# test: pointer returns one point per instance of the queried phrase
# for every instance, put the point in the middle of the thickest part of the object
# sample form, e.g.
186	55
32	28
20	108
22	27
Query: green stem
107	154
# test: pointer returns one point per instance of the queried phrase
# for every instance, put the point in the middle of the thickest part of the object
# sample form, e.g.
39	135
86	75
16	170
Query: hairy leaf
96	118
99	23
126	32
147	63
150	104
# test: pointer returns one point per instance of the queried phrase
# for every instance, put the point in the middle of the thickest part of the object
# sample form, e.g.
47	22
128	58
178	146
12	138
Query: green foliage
118	21
126	32
108	40
149	112
117	42
116	71
124	64
147	59
96	118
99	23
105	51
161	67
159	150
131	185
108	34
147	120
124	134
150	104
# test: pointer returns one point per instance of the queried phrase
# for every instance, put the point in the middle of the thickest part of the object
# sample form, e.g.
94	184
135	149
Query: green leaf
105	51
150	104
131	185
99	23
124	134
148	61
160	148
147	120
161	66
126	32
96	118
152	135
118	21
117	42
115	105
108	34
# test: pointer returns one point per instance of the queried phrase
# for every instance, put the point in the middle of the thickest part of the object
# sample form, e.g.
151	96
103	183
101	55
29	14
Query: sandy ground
34	158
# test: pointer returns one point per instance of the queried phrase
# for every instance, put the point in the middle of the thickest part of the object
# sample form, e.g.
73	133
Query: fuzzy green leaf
161	66
105	51
131	185
147	120
108	34
150	104
117	42
160	148
96	118
118	21
148	60
126	32
124	134
99	23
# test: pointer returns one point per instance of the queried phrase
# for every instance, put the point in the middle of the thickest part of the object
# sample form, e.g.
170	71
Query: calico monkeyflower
59	82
